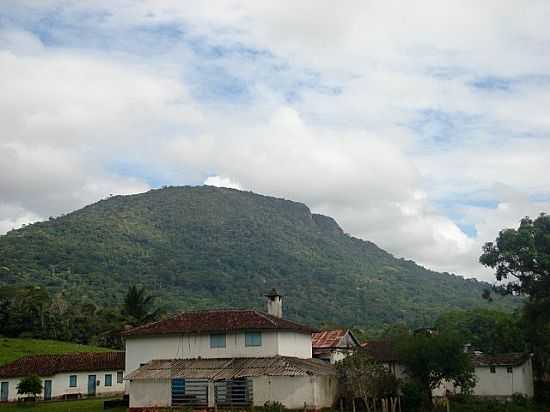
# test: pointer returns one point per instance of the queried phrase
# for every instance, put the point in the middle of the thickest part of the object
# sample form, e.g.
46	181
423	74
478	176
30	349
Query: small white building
226	357
333	345
499	376
71	375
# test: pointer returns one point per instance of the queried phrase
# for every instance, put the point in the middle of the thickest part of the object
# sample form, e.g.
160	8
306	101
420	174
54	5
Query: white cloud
220	181
365	111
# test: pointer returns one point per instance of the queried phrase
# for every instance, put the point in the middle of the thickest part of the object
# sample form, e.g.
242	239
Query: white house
333	345
499	376
226	357
67	375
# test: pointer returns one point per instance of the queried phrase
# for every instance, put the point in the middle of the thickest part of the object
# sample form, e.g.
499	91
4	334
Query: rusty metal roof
231	368
327	338
222	320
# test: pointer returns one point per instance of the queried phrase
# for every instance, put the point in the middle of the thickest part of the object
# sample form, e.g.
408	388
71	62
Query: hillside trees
224	248
32	312
486	330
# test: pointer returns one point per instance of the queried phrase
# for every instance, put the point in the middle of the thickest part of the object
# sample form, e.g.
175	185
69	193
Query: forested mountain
200	247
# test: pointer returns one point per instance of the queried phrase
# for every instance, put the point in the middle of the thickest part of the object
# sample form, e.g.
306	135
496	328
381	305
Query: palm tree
137	306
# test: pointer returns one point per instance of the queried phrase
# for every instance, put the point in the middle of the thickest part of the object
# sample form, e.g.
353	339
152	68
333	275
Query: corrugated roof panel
219	369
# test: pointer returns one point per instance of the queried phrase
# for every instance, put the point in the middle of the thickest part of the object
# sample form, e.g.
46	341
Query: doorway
47	390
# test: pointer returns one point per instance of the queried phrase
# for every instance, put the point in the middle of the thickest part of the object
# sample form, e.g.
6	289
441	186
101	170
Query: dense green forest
203	247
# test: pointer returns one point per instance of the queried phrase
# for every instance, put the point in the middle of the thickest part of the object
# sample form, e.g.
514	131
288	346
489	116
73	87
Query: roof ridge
266	316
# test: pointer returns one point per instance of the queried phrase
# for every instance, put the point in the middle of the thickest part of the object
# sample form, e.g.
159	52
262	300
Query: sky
422	126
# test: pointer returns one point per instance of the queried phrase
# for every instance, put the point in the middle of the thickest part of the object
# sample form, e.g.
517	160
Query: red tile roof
327	338
501	359
381	350
224	320
48	365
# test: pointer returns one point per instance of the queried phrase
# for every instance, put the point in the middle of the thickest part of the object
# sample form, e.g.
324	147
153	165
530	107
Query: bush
412	396
31	385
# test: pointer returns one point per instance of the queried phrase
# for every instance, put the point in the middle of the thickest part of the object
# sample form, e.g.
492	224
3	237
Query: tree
486	330
137	306
521	259
522	256
432	359
31	385
361	377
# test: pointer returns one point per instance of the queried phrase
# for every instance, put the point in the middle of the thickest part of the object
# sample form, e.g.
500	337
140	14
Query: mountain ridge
203	246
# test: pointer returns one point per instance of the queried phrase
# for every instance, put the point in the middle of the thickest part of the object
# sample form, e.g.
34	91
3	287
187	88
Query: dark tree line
31	312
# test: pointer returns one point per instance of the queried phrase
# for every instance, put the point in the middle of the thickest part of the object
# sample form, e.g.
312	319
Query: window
233	392
72	381
119	377
178	391
493	370
109	380
190	392
217	340
509	370
253	339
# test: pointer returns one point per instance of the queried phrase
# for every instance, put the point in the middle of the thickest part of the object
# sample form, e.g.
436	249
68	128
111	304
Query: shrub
31	385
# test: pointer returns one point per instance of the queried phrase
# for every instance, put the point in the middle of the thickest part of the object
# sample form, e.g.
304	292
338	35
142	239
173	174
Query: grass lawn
87	405
12	349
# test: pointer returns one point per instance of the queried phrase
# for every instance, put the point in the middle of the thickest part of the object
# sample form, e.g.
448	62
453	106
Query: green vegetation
432	359
203	247
12	349
521	259
486	330
87	405
361	377
30	385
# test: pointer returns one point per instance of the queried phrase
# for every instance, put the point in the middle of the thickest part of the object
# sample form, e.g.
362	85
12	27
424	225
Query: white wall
140	350
60	384
150	393
502	383
292	391
294	344
295	391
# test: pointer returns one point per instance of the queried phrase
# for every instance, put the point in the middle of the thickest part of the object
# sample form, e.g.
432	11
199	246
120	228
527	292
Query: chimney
274	303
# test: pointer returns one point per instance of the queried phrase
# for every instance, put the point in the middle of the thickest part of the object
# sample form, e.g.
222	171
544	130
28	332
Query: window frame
75	381
492	369
248	336
509	369
110	376
218	345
